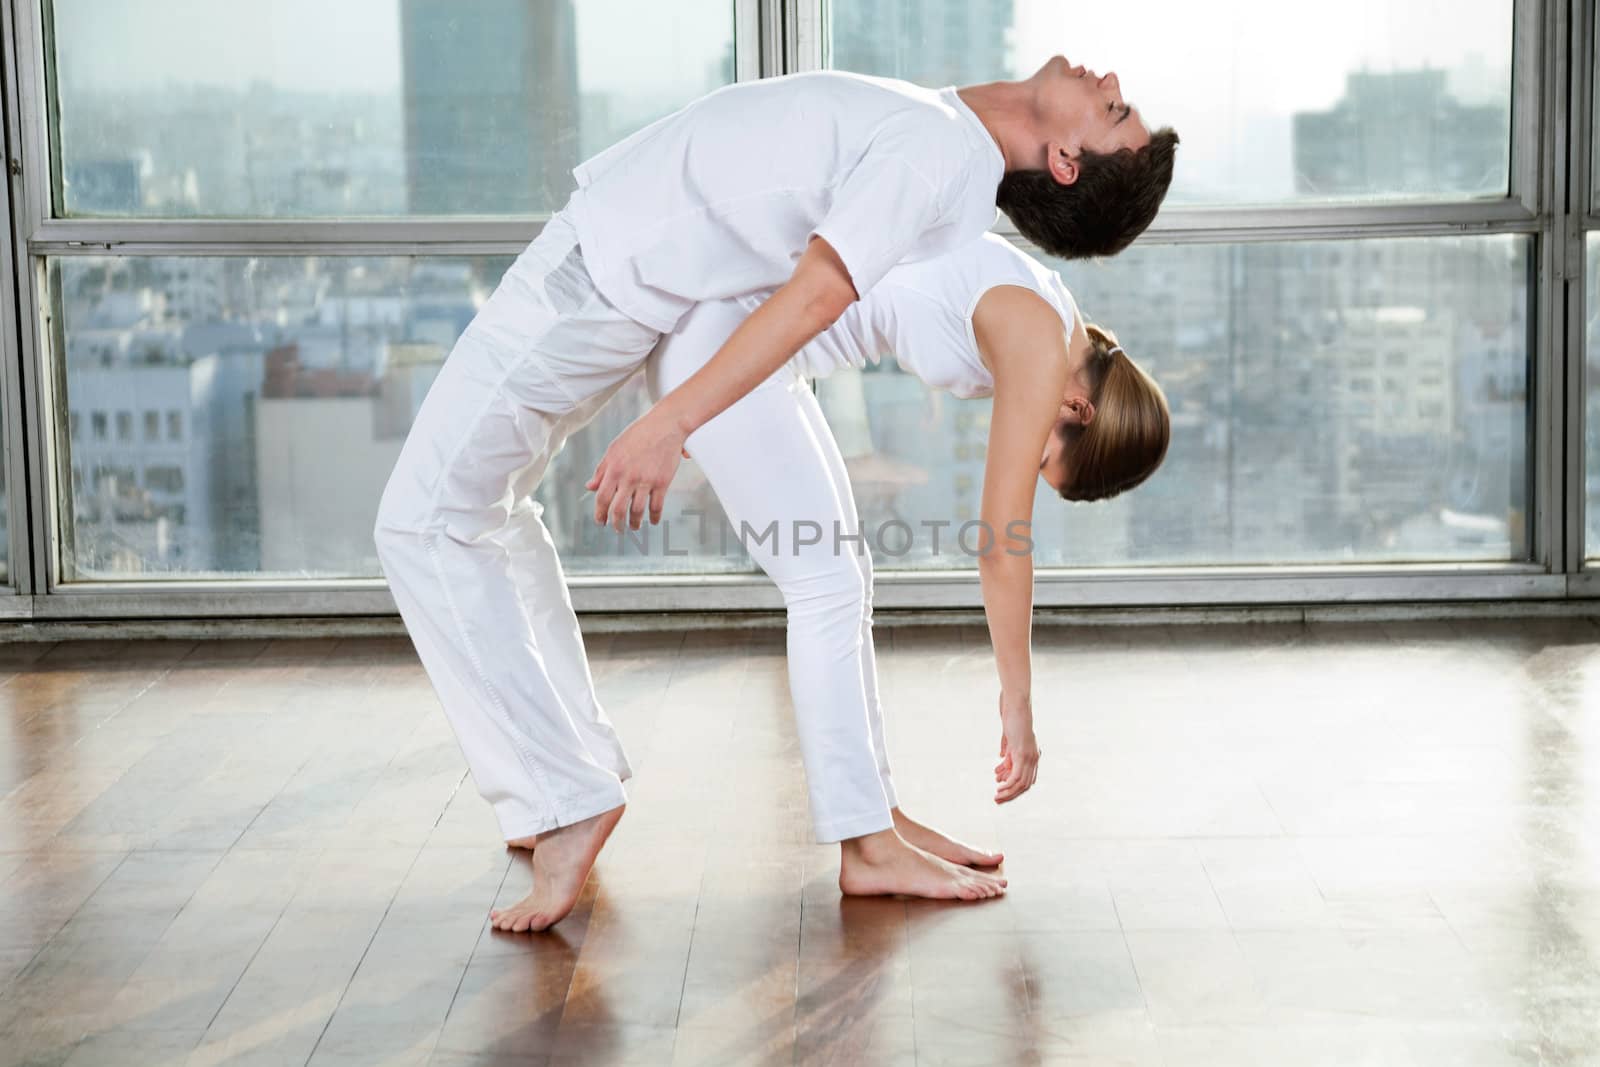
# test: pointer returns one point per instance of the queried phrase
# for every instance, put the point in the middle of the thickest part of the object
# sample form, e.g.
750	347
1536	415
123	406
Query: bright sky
354	45
1228	74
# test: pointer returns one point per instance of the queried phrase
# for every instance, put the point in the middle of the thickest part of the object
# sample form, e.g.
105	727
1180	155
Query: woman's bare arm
1021	339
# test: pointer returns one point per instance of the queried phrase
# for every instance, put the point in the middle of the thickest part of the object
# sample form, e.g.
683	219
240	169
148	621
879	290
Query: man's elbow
828	300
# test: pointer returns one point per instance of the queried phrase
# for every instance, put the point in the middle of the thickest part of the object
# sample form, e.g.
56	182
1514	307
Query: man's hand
1018	768
635	471
637	468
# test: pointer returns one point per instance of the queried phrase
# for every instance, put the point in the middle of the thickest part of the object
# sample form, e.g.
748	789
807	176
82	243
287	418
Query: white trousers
771	458
475	574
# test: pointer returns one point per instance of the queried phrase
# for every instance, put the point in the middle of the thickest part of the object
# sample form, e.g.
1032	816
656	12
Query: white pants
475	575
771	458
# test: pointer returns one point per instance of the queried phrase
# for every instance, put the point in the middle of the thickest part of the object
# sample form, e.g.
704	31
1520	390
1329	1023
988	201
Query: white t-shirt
921	314
720	198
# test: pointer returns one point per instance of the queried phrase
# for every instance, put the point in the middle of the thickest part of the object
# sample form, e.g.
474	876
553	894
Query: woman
1070	407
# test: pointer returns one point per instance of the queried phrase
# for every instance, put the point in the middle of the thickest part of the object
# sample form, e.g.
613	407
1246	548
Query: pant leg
450	533
767	466
536	569
862	554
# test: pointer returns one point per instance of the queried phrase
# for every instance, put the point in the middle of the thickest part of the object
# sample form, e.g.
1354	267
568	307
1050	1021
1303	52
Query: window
5	520
363	107
266	367
164	479
1392	100
1591	369
1303	431
1272	420
300	405
1591	420
257	245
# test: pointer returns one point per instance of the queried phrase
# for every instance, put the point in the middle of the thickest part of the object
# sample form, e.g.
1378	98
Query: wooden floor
1278	846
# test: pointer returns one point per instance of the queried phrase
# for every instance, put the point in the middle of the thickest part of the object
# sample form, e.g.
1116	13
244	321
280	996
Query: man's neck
1004	109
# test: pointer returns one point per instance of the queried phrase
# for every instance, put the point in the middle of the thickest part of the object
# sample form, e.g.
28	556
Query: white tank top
921	314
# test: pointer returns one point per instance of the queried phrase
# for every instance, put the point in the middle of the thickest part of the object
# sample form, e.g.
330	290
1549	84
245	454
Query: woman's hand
1019	751
635	471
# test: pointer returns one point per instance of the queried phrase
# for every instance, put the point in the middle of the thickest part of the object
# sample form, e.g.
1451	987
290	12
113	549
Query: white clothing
470	563
720	198
771	458
921	313
716	201
475	574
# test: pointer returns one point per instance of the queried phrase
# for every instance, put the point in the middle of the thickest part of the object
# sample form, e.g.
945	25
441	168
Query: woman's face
1053	467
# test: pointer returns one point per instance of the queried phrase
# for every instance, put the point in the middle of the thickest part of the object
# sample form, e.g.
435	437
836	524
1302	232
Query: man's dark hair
1114	199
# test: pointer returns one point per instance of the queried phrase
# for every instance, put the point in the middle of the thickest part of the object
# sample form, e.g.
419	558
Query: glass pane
1591	414
1332	402
1393	99
185	108
238	417
5	521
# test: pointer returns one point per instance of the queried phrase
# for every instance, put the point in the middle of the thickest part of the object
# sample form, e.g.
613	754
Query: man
813	184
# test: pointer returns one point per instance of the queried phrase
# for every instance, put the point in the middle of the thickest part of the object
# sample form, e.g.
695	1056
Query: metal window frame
779	36
18	580
1581	220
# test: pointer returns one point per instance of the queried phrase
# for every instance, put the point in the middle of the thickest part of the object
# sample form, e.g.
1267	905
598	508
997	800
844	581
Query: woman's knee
836	588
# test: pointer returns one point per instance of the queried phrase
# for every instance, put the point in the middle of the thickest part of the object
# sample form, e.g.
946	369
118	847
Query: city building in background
492	113
931	42
1403	131
1333	401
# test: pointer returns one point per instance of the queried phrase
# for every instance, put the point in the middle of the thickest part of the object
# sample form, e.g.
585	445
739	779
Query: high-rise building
491	105
1401	132
931	42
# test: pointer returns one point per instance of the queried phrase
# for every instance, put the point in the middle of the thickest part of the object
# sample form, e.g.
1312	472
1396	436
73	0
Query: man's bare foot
946	848
884	863
523	842
561	865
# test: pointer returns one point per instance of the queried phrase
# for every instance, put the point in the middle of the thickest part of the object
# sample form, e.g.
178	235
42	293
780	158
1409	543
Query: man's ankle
868	846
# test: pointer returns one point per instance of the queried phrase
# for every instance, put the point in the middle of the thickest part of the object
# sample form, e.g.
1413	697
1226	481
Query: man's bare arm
638	466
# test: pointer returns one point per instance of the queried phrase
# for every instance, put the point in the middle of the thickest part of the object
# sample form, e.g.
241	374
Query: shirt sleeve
879	213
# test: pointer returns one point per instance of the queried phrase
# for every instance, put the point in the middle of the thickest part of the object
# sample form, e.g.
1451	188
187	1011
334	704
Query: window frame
1582	561
773	37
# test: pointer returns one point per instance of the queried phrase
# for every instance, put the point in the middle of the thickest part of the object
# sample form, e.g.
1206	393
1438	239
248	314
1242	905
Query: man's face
1083	110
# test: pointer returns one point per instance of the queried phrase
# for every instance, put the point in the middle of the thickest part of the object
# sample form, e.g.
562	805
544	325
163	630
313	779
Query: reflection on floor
1331	845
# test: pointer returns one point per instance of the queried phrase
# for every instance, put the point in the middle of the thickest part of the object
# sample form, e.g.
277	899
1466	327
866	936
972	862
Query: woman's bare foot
523	842
561	865
946	848
884	863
